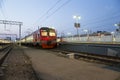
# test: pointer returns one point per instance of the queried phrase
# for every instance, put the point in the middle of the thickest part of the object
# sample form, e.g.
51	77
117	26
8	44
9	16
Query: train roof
46	28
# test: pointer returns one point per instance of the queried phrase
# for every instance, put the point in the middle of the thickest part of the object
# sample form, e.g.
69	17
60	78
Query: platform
52	67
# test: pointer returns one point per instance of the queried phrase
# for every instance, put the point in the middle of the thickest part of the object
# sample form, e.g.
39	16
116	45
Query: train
44	37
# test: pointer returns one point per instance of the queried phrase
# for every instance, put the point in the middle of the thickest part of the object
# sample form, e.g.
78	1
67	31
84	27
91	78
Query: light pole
113	36
87	32
77	24
68	35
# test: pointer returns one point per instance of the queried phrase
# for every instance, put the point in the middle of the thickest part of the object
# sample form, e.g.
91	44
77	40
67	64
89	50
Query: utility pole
20	34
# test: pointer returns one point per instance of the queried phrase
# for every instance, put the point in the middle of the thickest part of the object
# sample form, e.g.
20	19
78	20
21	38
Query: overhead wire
2	11
104	23
1	7
105	20
57	9
1	3
102	20
52	13
104	16
47	12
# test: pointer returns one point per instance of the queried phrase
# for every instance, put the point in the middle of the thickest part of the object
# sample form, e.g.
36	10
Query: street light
77	24
117	25
77	17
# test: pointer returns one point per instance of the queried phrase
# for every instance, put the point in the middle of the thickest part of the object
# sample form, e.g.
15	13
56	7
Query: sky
96	15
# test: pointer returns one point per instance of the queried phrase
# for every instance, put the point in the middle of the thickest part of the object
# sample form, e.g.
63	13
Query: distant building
98	33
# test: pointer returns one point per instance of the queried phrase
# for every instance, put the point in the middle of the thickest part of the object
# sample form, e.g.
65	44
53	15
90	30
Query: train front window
44	33
51	33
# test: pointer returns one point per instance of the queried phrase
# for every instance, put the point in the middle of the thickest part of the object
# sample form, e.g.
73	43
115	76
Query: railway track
15	65
4	52
109	60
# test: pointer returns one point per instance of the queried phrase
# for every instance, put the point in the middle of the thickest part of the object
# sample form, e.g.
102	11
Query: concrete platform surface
52	67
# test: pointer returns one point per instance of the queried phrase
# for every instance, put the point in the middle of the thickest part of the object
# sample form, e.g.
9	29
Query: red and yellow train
44	37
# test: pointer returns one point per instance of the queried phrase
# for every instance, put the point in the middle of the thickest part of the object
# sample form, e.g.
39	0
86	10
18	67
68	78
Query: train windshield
52	33
44	33
49	32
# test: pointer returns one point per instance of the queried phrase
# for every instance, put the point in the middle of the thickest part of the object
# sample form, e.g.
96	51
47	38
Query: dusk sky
95	15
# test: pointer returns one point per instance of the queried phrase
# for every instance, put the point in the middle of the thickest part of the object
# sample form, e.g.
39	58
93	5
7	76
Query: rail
4	52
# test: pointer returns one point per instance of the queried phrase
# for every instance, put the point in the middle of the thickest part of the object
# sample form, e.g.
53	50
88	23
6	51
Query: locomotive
44	37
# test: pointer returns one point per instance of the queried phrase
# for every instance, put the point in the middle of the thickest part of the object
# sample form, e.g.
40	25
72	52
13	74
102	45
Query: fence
104	39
